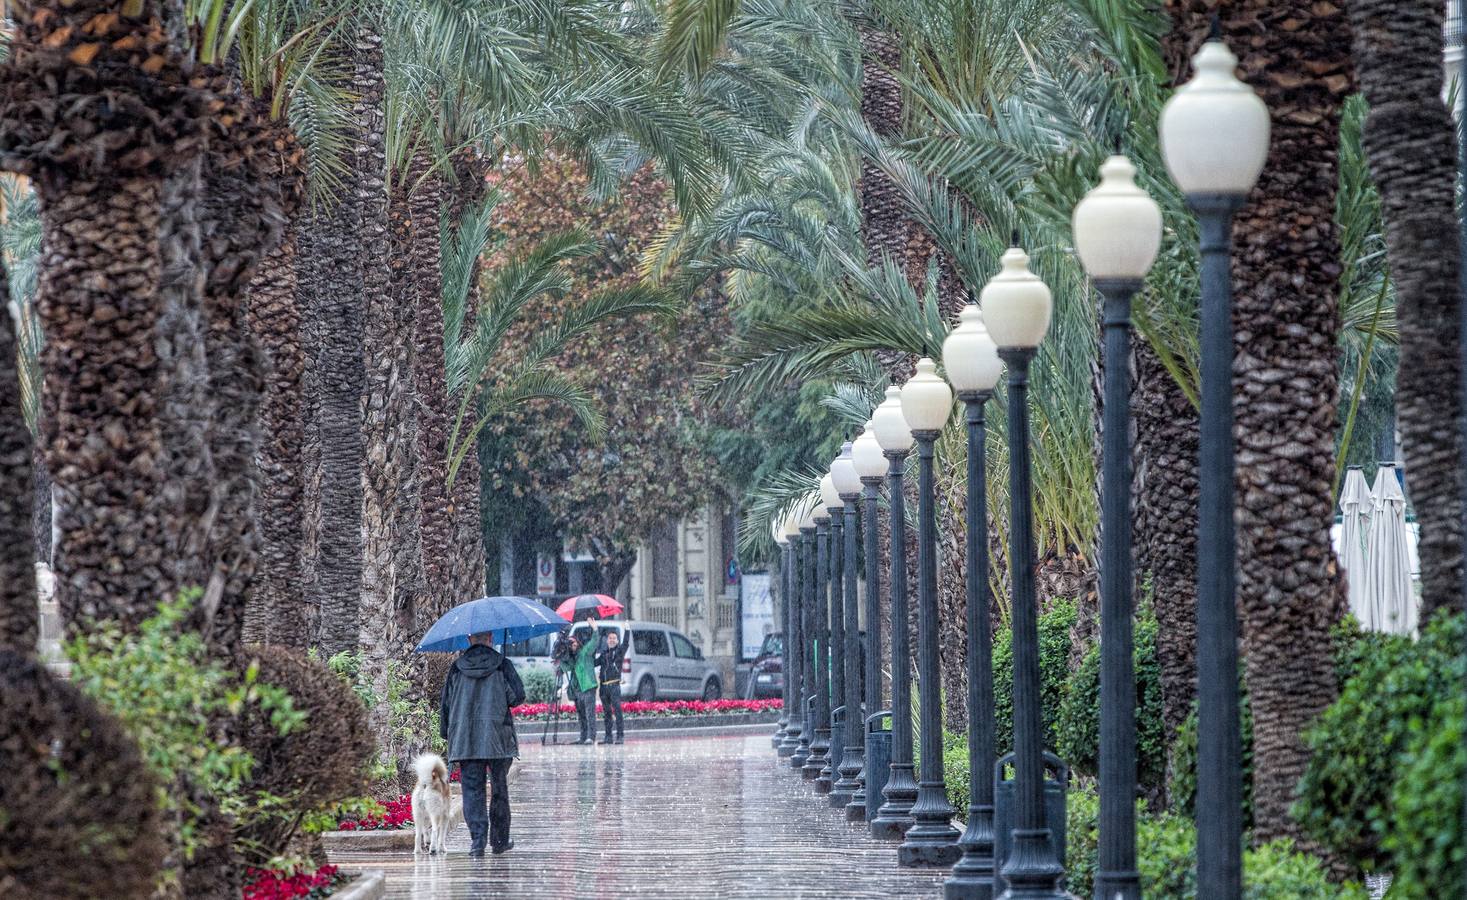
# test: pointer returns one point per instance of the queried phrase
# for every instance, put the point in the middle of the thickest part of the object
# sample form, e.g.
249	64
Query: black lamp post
1016	309
870	465
932	840
848	486
1214	135
1117	231
783	544
895	815
820	639
973	368
829	775
790	654
804	646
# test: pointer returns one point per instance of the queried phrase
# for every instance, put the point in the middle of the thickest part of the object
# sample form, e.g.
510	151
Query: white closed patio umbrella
1355	510
1389	602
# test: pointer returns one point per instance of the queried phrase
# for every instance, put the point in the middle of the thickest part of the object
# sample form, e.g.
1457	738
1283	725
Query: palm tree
18	611
1410	143
79	84
1286	270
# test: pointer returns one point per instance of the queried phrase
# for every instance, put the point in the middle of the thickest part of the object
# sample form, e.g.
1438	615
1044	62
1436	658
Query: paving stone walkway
662	817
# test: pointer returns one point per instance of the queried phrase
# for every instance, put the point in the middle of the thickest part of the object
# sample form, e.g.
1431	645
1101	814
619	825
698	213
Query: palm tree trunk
1410	144
1164	526
1285	274
467	546
19	624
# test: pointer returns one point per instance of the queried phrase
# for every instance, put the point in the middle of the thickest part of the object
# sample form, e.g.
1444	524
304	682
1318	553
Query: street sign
545	574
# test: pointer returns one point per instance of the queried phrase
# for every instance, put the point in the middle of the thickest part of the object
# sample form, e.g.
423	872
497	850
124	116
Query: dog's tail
430	766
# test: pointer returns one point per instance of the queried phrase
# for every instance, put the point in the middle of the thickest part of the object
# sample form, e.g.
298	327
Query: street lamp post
819	636
1214	136
1117	231
895	815
790	655
783	544
806	647
848	485
932	840
1016	309
973	367
870	466
836	634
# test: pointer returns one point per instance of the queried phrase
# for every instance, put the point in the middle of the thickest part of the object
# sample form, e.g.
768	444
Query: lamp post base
932	840
791	742
894	817
973	875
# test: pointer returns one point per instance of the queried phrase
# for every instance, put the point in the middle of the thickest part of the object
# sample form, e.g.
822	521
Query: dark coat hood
479	661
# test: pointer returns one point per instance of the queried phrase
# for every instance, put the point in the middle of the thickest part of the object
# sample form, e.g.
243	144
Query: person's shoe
498	850
619	739
477	851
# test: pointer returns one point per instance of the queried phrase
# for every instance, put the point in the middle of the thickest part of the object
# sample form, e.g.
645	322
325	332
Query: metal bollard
878	760
1055	790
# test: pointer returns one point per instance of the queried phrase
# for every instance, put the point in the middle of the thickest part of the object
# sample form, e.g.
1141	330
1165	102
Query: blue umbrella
511	619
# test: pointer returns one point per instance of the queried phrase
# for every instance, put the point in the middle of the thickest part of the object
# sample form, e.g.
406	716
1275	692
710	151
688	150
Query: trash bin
1056	784
878	760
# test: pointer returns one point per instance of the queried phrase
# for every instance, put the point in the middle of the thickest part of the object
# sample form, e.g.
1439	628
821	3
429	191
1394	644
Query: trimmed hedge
539	685
1054	673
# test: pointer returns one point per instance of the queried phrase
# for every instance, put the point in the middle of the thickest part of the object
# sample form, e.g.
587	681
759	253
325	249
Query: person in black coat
608	665
474	718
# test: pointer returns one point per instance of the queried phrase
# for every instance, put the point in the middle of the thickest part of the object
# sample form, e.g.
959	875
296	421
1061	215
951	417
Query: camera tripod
552	718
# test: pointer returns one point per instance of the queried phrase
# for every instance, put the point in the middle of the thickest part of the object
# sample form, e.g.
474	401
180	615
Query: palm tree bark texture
467	547
1286	318
19	623
1411	148
98	110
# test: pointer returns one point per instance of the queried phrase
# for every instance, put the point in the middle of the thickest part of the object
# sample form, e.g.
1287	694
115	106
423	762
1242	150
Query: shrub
79	815
305	769
180	702
1166	859
1054	673
412	724
539	685
1425	839
955	770
1182	780
1356	745
1078	726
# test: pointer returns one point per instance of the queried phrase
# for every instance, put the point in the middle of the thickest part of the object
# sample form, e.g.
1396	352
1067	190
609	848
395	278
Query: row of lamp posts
1214	138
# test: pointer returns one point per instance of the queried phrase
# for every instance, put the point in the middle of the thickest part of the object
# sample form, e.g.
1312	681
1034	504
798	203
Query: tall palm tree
18	611
1410	144
1286	270
98	109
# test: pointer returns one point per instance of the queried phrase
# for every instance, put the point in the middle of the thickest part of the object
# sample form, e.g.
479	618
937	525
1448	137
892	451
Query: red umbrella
584	605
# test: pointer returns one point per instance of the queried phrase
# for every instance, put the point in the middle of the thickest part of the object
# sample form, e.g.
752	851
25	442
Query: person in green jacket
583	680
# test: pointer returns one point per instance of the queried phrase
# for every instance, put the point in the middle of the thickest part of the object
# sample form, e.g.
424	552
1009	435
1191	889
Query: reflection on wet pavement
683	818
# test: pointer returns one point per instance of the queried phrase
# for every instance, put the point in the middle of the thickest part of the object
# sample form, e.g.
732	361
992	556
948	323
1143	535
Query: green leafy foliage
1078	728
1166	859
1426	840
179	701
1054	673
1387	713
539	685
409	720
1182	779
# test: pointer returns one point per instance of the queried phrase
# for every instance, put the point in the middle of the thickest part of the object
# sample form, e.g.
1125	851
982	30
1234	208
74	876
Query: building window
664	561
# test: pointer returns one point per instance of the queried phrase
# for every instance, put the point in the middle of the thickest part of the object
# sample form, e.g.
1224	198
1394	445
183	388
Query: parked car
660	662
766	672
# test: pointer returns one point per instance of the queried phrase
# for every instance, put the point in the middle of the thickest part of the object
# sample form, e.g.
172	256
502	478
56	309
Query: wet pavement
662	817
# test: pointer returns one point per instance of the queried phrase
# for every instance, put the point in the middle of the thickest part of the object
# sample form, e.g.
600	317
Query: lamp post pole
932	840
895	815
784	627
1219	742
1032	870
855	733
1116	877
825	784
972	877
870	486
820	640
790	653
804	648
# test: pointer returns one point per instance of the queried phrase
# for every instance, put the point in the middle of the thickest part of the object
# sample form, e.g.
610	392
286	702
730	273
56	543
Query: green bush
1054	673
1078	725
1182	780
412	723
1357	744
1167	853
179	701
1426	839
955	770
539	685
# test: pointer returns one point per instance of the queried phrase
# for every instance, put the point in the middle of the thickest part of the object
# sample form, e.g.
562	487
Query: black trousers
611	706
586	713
472	772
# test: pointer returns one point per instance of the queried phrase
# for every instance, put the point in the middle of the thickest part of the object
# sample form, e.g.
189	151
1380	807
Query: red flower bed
399	814
267	884
660	708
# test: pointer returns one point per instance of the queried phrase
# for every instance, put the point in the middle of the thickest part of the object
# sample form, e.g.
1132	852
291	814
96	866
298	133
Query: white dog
431	804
